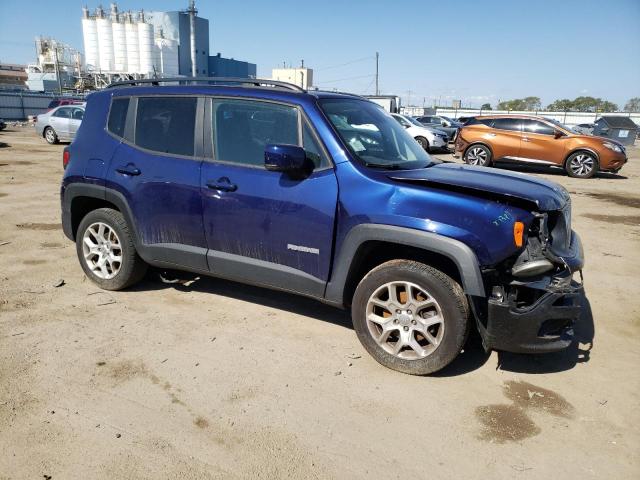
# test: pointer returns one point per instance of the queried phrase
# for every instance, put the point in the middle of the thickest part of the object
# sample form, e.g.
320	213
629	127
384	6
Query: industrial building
298	76
153	44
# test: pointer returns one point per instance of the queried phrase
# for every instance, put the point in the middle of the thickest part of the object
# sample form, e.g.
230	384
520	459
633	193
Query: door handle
525	139
223	184
129	169
491	134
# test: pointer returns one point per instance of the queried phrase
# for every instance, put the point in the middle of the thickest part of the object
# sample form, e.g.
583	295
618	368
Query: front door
265	227
157	169
59	121
539	144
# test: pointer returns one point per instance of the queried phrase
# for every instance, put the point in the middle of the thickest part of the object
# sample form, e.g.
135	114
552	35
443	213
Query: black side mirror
290	159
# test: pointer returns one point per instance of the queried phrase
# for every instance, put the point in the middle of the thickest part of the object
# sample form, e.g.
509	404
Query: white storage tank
90	36
105	41
168	62
145	45
119	41
133	51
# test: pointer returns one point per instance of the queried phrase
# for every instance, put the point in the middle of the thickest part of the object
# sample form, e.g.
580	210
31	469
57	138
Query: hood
482	181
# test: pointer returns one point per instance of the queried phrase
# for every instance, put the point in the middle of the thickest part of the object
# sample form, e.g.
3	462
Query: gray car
60	124
441	123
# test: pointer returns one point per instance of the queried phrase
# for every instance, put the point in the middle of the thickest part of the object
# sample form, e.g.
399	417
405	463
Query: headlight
612	146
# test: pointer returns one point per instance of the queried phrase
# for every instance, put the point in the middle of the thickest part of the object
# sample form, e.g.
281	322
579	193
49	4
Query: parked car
428	138
584	128
324	195
445	124
60	124
3	125
463	120
58	102
536	140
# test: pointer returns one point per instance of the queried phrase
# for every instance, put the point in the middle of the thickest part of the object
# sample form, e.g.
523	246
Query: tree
583	104
561	105
633	105
527	103
487	106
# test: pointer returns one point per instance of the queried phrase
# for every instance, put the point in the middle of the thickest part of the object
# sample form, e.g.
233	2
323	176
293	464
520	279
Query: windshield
561	125
414	121
373	136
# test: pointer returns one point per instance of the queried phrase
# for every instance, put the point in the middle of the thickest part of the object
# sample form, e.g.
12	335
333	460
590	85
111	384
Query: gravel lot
220	380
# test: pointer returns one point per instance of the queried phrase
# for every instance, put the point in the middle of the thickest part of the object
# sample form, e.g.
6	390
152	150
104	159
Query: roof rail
256	82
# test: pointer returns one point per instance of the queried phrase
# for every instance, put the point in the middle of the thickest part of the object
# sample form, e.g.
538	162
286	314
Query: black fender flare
99	192
462	256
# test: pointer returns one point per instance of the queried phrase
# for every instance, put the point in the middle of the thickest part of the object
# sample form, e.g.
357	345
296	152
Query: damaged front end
534	299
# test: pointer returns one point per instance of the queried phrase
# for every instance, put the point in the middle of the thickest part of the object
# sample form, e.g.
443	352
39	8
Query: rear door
265	227
505	137
539	144
75	121
157	169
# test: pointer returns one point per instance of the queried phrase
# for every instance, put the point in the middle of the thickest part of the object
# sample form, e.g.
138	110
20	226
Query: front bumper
536	315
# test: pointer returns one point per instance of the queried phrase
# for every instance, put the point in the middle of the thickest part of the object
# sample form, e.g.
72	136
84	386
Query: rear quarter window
118	116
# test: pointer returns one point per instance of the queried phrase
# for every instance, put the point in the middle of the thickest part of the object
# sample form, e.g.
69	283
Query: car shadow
472	357
551	170
288	302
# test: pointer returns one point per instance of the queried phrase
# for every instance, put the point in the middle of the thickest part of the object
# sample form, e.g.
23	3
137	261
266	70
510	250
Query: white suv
427	137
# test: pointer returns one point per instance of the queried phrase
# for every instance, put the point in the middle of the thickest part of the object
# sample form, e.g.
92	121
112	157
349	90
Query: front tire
106	250
479	155
410	317
50	136
581	165
423	142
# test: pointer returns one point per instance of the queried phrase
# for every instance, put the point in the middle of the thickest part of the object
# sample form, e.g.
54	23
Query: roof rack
256	82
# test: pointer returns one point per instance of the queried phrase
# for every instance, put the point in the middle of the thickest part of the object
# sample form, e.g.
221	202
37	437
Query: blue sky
477	51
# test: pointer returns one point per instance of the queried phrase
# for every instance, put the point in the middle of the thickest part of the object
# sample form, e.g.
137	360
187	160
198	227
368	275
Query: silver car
60	124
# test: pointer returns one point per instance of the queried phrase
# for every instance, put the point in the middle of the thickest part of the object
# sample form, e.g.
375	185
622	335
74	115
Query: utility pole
377	85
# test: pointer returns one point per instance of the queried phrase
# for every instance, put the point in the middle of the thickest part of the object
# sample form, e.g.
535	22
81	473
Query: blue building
175	26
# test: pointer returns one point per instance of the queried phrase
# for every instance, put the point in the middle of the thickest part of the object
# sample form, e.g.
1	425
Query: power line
348	78
351	62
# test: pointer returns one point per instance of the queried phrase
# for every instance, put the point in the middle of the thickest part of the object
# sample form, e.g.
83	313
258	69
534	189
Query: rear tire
107	252
424	143
410	317
50	136
581	164
479	155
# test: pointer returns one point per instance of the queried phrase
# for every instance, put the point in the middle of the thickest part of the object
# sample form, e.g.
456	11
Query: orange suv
536	140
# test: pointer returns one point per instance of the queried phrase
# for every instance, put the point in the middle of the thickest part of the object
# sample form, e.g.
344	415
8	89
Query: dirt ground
220	380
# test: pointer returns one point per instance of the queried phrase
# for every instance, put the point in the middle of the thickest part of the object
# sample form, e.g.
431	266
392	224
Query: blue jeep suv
323	195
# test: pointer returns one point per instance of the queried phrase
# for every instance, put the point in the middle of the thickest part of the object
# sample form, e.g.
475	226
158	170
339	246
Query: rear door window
243	128
514	124
166	124
77	114
118	116
63	113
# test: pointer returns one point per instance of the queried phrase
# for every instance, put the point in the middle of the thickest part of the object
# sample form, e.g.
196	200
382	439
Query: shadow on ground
471	358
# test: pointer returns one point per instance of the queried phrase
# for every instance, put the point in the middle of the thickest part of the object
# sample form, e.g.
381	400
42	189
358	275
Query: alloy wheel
102	250
582	165
476	156
50	135
405	320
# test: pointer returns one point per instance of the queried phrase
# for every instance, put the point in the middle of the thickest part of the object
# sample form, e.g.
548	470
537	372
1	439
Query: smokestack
192	24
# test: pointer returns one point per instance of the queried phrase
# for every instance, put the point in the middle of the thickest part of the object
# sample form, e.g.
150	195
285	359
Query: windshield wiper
384	166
